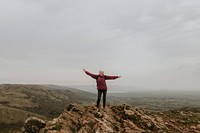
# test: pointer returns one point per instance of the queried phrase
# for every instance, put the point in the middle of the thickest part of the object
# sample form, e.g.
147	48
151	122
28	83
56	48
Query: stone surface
121	119
33	125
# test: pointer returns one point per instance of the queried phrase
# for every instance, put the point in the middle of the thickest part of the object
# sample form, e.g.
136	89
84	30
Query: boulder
33	125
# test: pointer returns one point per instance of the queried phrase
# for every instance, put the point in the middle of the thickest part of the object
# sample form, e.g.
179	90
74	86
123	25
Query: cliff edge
122	119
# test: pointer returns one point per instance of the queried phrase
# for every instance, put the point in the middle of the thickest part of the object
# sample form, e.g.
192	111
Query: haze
152	44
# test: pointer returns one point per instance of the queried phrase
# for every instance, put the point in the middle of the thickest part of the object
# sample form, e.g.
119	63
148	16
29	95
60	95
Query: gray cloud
152	44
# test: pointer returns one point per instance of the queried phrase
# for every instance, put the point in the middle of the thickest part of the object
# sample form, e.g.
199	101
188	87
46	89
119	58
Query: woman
101	85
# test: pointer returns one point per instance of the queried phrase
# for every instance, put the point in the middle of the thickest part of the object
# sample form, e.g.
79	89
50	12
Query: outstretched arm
111	77
90	74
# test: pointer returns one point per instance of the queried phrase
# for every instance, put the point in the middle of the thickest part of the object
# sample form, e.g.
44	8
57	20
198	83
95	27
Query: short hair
101	71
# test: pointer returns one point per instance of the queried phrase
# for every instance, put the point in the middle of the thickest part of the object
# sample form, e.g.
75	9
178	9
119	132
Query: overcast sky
152	44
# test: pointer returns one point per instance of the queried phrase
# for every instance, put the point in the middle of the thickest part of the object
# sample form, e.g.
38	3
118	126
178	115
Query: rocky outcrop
33	125
121	119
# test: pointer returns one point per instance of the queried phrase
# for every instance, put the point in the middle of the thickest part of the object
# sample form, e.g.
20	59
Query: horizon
151	44
112	89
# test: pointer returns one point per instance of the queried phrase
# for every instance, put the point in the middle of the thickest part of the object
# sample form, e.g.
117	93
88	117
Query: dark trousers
99	97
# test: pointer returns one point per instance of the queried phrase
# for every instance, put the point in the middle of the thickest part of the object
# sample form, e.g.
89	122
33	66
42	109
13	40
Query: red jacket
101	80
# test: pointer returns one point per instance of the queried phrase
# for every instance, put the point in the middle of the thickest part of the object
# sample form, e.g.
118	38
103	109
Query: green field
158	100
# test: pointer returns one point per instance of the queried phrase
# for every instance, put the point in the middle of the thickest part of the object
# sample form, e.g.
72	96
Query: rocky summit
118	119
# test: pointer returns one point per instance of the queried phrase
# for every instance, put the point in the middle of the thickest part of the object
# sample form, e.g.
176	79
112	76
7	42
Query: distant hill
111	88
160	100
18	101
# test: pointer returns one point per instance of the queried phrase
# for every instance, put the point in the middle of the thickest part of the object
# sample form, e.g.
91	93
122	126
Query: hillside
17	102
123	119
12	119
41	99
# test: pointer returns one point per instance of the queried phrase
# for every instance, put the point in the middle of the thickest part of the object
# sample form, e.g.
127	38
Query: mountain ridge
122	119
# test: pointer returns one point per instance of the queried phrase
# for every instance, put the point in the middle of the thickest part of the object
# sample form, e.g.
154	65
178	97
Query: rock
195	131
182	113
173	121
130	126
33	125
75	108
198	127
120	118
159	119
99	115
192	127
